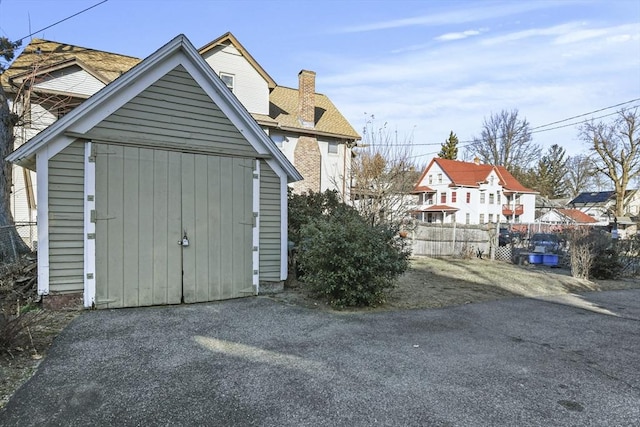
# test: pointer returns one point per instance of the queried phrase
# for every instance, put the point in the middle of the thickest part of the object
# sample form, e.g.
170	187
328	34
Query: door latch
185	240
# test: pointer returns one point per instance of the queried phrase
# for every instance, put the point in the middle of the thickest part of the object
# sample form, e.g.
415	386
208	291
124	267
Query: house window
420	198
491	179
498	197
467	218
491	198
468	197
481	218
454	197
490	217
333	148
429	217
443	198
482	198
439	178
228	80
430	179
429	199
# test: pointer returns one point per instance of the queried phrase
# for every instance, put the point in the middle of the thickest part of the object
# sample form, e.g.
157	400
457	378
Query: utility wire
586	114
62	20
536	129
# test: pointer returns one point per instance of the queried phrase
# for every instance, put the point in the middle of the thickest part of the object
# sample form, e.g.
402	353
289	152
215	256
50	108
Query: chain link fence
17	240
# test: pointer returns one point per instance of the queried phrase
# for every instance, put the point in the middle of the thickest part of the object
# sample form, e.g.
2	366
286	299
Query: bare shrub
580	249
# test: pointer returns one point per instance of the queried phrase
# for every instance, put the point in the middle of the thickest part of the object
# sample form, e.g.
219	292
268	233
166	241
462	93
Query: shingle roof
45	53
577	215
283	103
467	174
283	108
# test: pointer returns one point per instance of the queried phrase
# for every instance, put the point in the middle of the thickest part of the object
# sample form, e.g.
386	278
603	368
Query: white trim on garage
256	229
42	177
89	226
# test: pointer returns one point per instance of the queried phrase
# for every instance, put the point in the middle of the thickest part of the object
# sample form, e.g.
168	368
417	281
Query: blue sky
423	67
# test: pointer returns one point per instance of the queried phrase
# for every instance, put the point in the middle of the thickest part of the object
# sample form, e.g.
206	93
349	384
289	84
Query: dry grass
434	283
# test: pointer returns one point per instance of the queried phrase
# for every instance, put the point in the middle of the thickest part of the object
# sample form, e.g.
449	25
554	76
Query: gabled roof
467	174
230	38
577	216
47	55
283	108
178	51
105	66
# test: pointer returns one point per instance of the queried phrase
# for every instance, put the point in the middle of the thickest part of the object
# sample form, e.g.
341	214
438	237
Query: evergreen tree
449	148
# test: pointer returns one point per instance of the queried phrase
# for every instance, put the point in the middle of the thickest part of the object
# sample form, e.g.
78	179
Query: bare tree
580	172
383	175
506	141
616	146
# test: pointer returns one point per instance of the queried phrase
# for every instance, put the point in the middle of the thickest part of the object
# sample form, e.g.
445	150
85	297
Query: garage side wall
270	216
66	220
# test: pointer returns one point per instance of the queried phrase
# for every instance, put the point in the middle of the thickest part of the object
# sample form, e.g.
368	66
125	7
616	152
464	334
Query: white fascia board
64	123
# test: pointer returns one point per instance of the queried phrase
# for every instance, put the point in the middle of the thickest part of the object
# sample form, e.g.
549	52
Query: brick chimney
306	155
307	98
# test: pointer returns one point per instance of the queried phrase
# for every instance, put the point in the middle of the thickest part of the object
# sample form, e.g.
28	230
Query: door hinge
92	215
92	156
91	236
89	275
255	218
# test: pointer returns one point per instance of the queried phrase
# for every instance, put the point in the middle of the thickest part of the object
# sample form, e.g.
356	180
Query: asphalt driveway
259	362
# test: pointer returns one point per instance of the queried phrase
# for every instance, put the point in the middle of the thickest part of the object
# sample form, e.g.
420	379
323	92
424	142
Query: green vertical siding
270	216
66	219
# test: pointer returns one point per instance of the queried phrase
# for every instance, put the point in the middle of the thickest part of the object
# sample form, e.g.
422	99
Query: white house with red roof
567	216
472	193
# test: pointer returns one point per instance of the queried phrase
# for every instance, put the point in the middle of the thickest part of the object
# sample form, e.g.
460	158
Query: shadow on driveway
258	362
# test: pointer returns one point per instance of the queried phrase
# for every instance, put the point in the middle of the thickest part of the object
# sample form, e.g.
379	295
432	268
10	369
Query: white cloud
458	36
547	73
465	14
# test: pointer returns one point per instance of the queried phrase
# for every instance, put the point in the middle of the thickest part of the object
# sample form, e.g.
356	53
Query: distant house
601	204
49	79
472	193
561	216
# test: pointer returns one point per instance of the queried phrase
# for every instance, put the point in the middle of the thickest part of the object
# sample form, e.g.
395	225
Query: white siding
71	80
249	86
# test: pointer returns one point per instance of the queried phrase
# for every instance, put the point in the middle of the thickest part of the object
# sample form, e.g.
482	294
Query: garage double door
171	227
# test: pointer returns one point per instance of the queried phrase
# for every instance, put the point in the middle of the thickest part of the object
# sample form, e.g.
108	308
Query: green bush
606	261
348	261
309	206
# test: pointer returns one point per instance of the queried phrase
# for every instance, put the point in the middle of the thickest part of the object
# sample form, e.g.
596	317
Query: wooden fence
439	240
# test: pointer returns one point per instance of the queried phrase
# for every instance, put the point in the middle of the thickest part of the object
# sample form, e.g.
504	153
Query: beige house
48	79
159	189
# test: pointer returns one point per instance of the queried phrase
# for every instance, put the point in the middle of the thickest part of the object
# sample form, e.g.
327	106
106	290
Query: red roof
423	189
468	174
577	215
437	208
